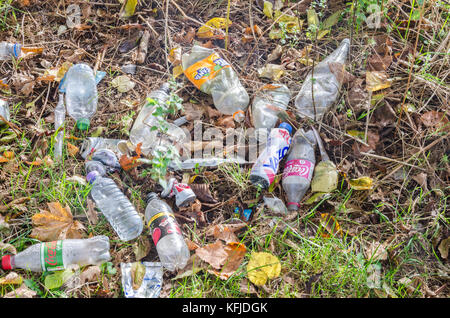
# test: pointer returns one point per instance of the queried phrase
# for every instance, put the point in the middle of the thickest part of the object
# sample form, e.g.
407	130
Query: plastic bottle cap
6	262
151	196
91	176
83	124
286	126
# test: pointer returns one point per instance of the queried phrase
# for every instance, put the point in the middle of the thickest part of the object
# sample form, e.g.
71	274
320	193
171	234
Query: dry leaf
276	53
363	183
128	163
226	122
72	149
376	81
141	248
213	27
11	279
6	247
129	9
325	177
236	253
192	246
435	119
376	252
222	232
338	69
56	224
91	274
22	292
271	71
261	267
193	112
203	193
443	247
214	254
330	224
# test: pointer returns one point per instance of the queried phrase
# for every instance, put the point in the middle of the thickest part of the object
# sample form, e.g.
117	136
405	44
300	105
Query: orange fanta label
205	70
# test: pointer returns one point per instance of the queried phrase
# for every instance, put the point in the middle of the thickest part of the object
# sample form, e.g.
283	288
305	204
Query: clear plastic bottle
114	205
315	103
142	132
91	144
266	166
58	255
299	167
166	233
80	87
60	114
267	104
214	76
8	50
4	110
182	192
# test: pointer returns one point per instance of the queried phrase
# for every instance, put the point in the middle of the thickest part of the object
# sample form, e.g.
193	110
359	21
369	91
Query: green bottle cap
83	124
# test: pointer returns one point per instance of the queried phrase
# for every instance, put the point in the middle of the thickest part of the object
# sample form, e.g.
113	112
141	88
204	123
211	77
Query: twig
392	160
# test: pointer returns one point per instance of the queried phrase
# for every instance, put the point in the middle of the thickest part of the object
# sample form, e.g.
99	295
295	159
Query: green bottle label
51	256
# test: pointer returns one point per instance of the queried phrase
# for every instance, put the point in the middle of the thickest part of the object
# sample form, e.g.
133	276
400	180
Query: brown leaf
376	252
91	213
338	69
214	254
373	139
331	224
435	119
91	274
202	192
11	279
141	248
222	232
21	292
213	112
236	253
379	63
421	179
128	163
56	224
191	245
193	112
72	149
226	122
376	81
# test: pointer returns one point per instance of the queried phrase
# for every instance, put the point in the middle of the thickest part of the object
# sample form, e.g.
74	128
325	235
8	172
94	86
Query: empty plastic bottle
142	131
214	76
80	87
266	166
4	111
60	114
269	101
9	50
114	205
58	255
92	144
299	167
166	233
315	101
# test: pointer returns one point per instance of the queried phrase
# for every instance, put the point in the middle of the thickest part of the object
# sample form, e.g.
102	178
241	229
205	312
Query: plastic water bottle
142	132
4	111
8	50
58	255
166	233
92	144
214	76
114	205
299	167
269	101
80	87
60	114
183	193
315	103
266	166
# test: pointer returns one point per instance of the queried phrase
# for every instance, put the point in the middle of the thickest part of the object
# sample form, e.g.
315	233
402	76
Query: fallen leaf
378	63
271	71
212	28
226	122
443	247
123	83
11	279
276	53
338	69
58	278
376	81
421	179
72	149
261	267
268	9
193	266
435	119
175	56
137	274
202	192
128	163
363	183
22	292
325	177
222	232
141	248
56	224
236	253
193	111
91	274
6	247
330	224
376	252
214	254
129	9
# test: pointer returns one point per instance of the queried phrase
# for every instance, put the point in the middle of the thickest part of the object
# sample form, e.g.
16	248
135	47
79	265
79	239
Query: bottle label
51	256
300	168
205	70
163	224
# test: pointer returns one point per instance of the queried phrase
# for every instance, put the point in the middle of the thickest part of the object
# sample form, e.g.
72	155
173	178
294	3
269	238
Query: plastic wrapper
141	279
275	206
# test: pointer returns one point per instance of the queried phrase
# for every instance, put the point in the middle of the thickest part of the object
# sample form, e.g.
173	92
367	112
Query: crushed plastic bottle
92	144
267	104
214	76
326	86
9	50
4	111
266	166
182	192
325	173
60	114
58	255
275	205
299	167
142	131
80	87
166	233
114	205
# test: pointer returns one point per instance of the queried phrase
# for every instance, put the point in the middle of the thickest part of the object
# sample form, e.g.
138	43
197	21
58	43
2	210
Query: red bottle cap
6	262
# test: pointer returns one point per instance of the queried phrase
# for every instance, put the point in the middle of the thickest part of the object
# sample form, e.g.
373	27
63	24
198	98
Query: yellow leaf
208	30
73	150
262	266
363	183
330	223
376	81
268	9
325	177
130	7
11	279
177	71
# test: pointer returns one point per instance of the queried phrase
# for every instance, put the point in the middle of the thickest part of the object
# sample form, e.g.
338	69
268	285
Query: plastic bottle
114	205
80	87
299	167
315	103
266	166
92	144
60	114
182	192
214	76
166	233
8	50
142	132
267	104
58	255
4	111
